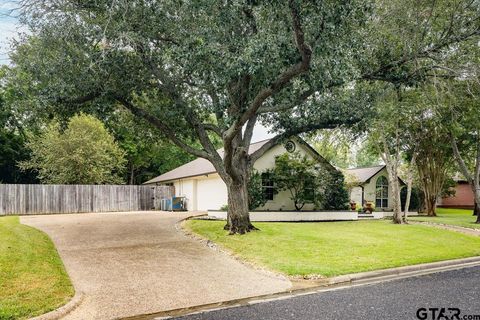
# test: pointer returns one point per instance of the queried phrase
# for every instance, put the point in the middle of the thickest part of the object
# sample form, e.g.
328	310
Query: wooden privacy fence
38	199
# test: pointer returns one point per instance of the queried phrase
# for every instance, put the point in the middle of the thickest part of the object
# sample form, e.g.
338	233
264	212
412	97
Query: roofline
373	175
179	178
303	142
365	167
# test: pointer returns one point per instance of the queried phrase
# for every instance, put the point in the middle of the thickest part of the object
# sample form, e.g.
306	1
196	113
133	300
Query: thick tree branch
213	128
283	79
287	106
379	74
167	131
248	134
80	100
461	163
169	88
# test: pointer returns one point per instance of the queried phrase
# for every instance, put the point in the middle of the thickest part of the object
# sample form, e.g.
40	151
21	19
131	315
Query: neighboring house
463	197
370	184
203	188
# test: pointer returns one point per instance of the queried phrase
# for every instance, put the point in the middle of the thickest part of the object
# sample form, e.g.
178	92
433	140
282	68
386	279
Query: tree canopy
84	153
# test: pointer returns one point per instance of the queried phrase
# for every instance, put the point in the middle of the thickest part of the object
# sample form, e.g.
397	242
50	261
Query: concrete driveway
135	263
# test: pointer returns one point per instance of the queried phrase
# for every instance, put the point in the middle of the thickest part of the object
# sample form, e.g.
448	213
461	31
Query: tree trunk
391	163
409	187
407	200
238	220
476	194
431	205
132	175
396	203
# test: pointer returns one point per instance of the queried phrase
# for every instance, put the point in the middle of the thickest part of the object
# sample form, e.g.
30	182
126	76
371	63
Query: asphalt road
399	299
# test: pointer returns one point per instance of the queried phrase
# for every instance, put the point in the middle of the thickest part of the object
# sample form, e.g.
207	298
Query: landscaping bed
457	217
337	248
33	279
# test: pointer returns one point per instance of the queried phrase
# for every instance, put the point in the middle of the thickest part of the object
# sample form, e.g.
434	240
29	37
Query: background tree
147	153
84	153
337	146
457	102
287	64
366	154
387	136
433	155
12	139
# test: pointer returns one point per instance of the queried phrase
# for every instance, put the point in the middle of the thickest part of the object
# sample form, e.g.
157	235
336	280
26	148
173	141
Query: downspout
363	195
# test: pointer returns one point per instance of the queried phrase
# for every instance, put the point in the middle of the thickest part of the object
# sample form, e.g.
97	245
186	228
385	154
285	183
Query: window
309	191
267	185
381	193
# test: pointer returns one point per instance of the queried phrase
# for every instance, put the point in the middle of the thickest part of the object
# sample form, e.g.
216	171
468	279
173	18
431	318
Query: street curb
63	310
321	285
402	271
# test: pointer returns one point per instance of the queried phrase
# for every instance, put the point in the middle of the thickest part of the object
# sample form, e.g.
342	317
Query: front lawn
457	217
32	276
336	248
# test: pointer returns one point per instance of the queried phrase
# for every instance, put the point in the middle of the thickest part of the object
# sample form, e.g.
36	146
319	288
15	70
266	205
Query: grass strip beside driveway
337	248
33	279
456	217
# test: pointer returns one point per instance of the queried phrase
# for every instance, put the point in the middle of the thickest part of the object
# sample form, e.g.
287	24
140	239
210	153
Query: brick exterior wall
463	197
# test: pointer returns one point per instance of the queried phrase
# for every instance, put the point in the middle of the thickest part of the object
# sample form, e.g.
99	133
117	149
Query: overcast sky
8	27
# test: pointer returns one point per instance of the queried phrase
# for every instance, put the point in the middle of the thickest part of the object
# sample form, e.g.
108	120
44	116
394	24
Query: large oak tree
194	69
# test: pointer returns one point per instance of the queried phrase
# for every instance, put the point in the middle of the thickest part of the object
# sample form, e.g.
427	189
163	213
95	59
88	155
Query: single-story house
370	184
204	190
463	197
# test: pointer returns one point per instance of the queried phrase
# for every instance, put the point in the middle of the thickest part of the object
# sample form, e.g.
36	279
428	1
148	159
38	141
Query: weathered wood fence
38	199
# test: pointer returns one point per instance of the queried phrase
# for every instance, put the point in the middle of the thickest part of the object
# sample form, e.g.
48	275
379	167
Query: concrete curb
401	271
322	285
63	310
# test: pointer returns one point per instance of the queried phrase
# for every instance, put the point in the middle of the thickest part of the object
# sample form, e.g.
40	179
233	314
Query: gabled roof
198	167
201	167
364	174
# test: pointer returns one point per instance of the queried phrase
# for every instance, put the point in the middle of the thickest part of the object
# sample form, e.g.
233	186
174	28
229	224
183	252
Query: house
204	190
370	184
463	197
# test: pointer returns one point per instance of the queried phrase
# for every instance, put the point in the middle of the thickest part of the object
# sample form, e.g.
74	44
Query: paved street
399	299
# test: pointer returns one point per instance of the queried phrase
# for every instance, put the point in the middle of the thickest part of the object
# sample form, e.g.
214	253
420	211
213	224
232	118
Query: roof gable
198	167
201	167
364	174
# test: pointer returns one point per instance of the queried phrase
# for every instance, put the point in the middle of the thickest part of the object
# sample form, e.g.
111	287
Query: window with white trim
381	194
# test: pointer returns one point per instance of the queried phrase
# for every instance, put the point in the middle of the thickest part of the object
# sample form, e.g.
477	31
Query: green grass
457	217
32	276
336	248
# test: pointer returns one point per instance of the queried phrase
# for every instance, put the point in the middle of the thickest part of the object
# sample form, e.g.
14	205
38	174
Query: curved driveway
135	263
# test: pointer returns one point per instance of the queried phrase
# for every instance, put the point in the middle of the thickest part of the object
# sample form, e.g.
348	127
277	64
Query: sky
9	29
